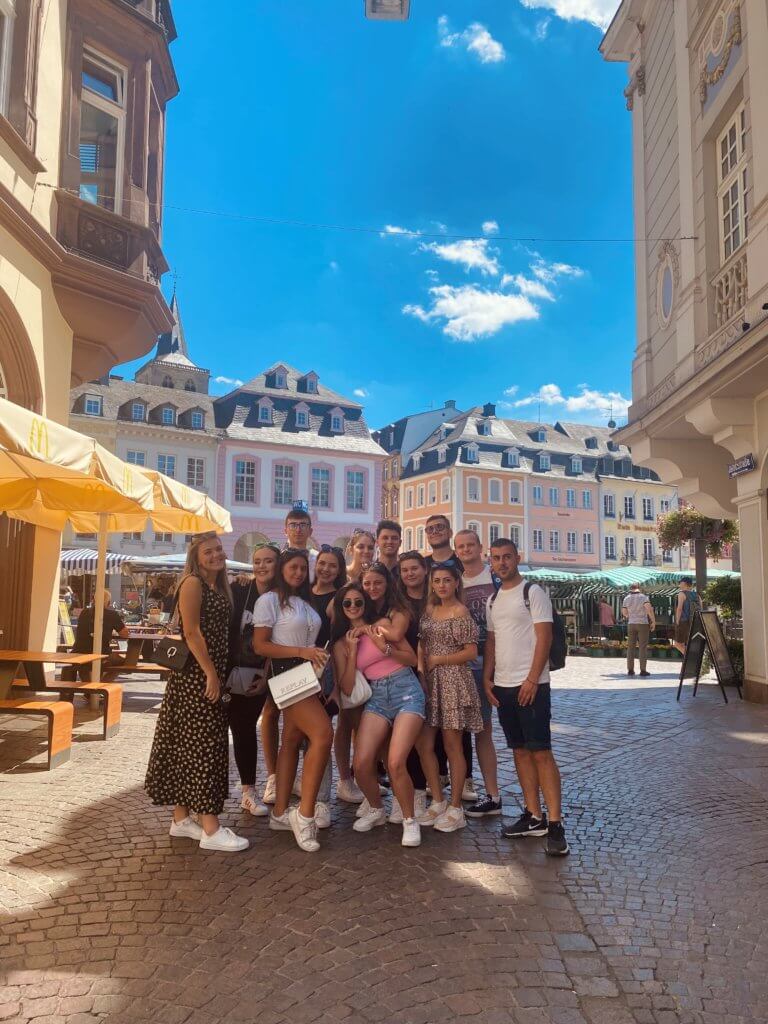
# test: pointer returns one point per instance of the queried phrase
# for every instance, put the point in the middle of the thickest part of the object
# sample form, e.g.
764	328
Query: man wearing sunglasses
389	536
439	535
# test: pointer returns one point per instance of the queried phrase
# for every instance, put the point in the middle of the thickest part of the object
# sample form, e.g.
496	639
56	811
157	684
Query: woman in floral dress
447	645
189	763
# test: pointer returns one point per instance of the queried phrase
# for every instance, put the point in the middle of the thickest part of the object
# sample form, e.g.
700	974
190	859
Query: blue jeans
397	694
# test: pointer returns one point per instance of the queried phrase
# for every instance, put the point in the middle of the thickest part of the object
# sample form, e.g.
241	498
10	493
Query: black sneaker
645	673
556	844
484	808
527	825
631	672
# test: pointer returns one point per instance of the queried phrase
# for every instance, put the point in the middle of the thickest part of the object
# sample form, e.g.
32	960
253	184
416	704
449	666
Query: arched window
190	386
167	381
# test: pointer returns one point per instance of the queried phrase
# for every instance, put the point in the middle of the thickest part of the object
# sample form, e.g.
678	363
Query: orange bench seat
60	715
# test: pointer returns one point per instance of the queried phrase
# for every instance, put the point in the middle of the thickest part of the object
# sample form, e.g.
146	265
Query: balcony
729	289
158	11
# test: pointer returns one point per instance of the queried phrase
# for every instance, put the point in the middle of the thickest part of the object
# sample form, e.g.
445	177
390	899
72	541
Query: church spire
173	342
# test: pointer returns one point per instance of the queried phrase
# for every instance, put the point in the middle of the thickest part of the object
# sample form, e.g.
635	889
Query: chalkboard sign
706	633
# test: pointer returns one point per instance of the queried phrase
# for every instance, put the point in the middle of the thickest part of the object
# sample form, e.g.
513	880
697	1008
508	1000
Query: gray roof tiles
119	393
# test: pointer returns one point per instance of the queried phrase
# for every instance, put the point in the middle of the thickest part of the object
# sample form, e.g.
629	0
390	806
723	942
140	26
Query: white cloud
511	391
586	400
360	393
469	312
393	229
476	39
541	279
535	289
597	12
228	380
470	253
542	27
490	227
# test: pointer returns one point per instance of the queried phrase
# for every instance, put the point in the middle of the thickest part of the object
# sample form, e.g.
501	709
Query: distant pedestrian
688	601
607	617
637	609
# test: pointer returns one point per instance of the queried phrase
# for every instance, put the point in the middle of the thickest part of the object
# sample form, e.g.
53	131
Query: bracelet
387	649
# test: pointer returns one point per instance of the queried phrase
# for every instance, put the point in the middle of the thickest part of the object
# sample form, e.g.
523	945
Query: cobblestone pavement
657	917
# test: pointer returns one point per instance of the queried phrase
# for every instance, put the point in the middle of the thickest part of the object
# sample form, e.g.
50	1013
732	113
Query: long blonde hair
192	567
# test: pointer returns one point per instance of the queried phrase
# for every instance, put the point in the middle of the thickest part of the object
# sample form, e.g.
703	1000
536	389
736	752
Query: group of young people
435	642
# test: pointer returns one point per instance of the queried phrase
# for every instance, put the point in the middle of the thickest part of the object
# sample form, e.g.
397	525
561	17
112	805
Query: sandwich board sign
706	634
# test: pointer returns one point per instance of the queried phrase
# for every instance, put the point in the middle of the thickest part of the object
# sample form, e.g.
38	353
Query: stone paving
659	915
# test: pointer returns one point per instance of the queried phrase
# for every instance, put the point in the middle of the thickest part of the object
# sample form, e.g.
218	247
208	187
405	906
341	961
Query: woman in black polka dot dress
189	762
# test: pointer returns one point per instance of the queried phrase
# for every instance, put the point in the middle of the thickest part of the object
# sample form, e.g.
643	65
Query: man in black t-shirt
439	534
83	644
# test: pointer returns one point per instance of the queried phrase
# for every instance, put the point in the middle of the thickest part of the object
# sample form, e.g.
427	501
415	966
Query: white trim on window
409	497
7	16
475	528
494	532
732	185
93	406
538	540
112	108
445	489
474	489
432	492
514	492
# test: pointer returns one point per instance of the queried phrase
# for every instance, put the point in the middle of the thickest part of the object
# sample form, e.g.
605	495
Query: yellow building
83	90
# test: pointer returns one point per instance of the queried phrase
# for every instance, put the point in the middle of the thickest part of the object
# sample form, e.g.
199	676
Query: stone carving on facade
724	34
102	241
730	290
636	85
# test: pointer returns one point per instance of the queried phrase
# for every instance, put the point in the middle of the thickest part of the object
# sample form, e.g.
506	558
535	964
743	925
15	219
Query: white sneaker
396	813
186	829
322	815
270	790
451	821
305	831
469	792
251	803
430	816
364	808
224	840
376	816
349	791
297	786
279	822
419	802
411	832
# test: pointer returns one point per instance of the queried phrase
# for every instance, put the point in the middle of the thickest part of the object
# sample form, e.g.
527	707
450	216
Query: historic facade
697	92
83	91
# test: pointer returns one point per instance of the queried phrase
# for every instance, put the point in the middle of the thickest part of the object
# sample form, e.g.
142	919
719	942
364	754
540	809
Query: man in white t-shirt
516	682
641	621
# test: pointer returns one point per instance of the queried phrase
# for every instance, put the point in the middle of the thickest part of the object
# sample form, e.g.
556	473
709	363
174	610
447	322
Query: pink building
286	438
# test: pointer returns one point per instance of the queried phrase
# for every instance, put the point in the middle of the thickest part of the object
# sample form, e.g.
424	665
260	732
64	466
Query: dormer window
590	442
545	463
167	381
309	384
138	412
484	428
265	411
576	464
279	377
92	405
441	453
416	461
513	457
471	453
168	416
197	419
540	435
337	421
302	416
612	446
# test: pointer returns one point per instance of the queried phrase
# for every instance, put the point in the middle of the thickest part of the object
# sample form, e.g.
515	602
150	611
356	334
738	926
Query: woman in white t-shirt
285	630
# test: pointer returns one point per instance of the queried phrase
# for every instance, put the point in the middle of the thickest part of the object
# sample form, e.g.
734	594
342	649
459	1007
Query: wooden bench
140	668
60	715
111	692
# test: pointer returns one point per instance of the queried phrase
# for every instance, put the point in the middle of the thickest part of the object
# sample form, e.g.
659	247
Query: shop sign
746	464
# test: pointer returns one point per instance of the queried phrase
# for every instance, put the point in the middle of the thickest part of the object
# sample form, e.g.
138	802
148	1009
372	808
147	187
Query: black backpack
559	648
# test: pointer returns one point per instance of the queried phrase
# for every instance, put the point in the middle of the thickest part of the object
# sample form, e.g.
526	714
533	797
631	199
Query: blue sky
475	123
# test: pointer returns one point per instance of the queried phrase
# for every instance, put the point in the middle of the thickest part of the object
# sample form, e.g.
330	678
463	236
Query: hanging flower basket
686	524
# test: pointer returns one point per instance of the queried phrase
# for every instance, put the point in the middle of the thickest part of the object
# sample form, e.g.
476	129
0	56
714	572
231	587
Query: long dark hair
453	570
420	604
339	621
393	602
341	563
283	591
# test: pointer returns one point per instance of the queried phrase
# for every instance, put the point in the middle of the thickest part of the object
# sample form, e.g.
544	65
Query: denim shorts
392	695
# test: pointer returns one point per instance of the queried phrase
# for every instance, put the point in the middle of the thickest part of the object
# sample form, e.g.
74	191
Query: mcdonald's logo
187	524
128	480
38	438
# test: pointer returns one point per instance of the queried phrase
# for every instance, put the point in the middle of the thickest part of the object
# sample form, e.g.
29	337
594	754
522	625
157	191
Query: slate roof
119	393
258	385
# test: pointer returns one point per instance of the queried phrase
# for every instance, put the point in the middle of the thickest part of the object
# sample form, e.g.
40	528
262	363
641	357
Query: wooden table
33	662
135	645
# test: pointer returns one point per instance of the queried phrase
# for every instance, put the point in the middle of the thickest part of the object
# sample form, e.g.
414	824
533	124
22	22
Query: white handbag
361	692
293	685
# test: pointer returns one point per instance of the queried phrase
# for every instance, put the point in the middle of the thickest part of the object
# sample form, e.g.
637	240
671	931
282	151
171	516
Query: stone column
753	529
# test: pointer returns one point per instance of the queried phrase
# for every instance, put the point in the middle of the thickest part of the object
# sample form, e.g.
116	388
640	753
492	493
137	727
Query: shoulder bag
172	651
295	683
248	678
361	692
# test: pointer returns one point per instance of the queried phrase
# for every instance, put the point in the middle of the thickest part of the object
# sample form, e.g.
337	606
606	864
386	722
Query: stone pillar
756	15
753	529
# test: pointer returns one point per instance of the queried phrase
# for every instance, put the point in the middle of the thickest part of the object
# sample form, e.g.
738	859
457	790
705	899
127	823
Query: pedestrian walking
516	680
637	609
688	601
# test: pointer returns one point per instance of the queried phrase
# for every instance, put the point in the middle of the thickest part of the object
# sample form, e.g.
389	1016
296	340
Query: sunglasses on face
436	528
329	549
351	602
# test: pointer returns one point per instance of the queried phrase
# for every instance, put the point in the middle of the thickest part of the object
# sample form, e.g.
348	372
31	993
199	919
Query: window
167	464
471	454
385	471
136	458
420	538
85	536
409	497
167	381
586	499
196	472
395	505
494	491
665	504
554	496
514	535
432	492
302	418
554	540
416	460
92	405
514	492
538	540
473	488
445	489
732	184
138	412
190	386
337	424
321	487
441	451
648	552
197	420
540	435
494	532
668	556
245	480
576	464
484	428
265	413
133	538
544	463
283	484
420	496
610	549
648	510
513	457
280	379
570	542
355	489
586	543
474	527
629	549
7	15
609	506
311	385
538	495
102	130
629	506
409	539
570	497
163	538
168	416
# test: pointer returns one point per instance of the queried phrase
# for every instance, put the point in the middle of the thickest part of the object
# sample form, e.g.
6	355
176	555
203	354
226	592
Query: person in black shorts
516	682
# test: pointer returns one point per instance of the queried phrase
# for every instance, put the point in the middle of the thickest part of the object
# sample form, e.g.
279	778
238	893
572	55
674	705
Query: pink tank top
372	662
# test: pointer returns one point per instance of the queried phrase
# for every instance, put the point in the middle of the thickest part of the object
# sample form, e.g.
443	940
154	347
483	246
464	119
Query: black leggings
416	772
243	715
